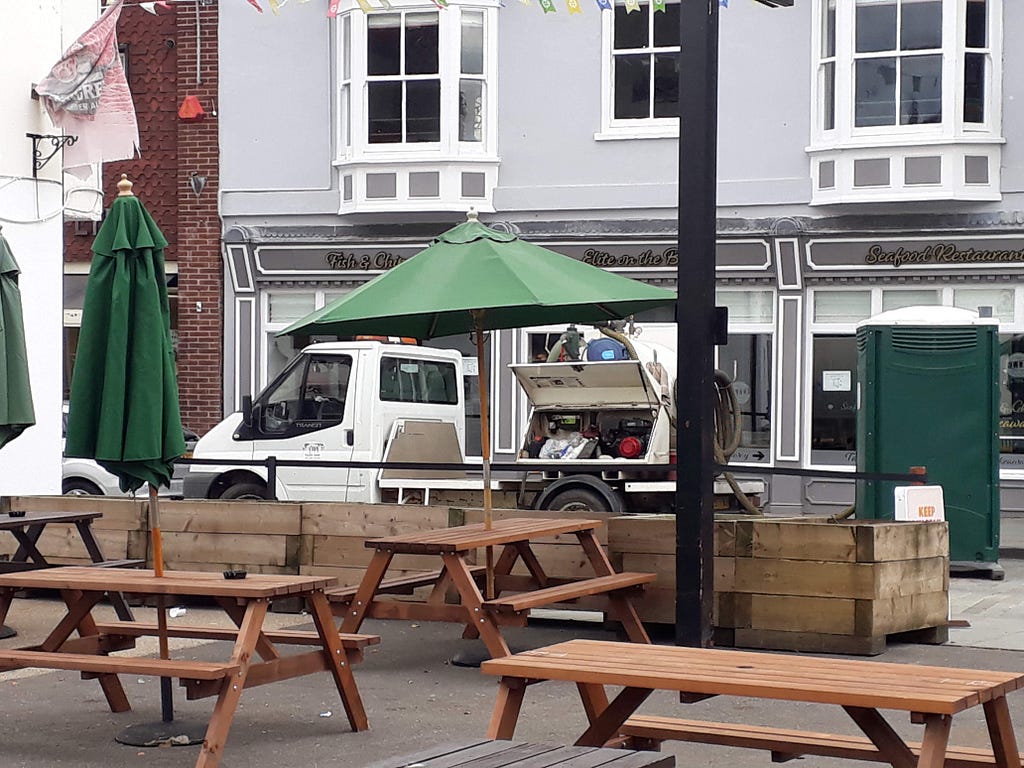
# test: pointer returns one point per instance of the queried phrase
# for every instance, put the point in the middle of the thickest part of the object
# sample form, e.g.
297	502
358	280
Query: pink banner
86	95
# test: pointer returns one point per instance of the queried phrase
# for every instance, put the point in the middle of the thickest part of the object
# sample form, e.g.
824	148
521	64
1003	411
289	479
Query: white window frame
951	128
946	294
618	129
321	296
449	64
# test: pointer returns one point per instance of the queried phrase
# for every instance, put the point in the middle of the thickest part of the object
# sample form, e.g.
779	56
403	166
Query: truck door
308	415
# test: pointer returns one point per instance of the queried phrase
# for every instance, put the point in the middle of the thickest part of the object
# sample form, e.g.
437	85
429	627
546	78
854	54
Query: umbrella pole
485	446
166	694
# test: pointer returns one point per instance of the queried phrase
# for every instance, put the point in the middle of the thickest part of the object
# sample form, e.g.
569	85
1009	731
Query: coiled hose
728	420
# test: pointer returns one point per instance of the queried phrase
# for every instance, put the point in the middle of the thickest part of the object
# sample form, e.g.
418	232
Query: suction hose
728	420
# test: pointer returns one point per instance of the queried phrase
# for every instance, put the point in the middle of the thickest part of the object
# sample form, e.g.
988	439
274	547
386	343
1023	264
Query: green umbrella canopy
472	267
16	412
124	409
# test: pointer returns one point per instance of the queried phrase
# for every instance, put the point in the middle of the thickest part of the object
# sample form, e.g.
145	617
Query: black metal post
698	126
272	478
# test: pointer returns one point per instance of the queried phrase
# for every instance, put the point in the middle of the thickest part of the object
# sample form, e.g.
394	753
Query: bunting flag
604	5
255	4
386	5
365	6
632	5
548	6
86	95
332	8
574	6
525	2
658	6
275	6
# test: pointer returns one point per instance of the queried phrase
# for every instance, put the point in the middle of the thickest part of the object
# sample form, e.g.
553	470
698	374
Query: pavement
415	697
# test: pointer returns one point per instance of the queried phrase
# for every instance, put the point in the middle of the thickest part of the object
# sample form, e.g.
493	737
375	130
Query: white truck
599	435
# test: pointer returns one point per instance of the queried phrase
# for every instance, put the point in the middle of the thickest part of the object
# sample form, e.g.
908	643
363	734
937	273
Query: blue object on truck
607	349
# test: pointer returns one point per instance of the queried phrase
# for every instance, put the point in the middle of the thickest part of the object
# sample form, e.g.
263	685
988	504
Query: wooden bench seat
572	590
206	632
84	662
509	754
647	731
400	585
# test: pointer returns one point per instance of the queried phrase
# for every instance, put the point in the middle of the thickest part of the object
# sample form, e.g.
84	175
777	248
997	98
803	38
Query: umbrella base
177	733
474	653
6	632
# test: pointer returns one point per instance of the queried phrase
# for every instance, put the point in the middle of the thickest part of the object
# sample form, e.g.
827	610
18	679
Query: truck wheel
577	500
240	491
79	487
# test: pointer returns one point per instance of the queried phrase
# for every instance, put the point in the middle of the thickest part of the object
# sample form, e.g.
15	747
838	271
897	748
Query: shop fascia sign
948	253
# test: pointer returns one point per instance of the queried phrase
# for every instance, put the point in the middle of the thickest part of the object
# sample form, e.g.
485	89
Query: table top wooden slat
881	685
466	537
508	754
145	582
7	522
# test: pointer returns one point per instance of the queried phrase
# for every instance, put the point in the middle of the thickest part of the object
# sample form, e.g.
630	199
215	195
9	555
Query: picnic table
484	617
931	695
245	602
28	528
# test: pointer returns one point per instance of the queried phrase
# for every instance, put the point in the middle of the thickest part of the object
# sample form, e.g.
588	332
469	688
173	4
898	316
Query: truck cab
336	401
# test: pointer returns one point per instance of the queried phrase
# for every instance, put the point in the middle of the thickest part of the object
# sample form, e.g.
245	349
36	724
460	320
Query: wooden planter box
804	584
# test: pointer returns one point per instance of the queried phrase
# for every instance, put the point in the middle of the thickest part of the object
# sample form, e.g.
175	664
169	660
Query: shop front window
747	360
1011	401
834	400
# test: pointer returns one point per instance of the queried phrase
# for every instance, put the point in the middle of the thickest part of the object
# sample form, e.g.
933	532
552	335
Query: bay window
415	107
906	100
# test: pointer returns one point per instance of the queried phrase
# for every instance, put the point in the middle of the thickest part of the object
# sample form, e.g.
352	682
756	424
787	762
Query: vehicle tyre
577	500
79	487
245	491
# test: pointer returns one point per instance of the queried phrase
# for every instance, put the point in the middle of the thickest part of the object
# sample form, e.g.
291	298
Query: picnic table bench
255	658
930	695
506	754
484	617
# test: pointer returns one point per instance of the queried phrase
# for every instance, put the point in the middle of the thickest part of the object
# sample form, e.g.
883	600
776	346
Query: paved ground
415	697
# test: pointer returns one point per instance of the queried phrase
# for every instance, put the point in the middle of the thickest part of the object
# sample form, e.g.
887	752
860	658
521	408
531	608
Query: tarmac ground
415	697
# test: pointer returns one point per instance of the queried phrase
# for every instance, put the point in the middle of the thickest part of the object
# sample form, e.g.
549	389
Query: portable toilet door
928	395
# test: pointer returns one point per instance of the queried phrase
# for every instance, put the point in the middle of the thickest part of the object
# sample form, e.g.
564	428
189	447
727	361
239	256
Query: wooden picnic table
485	617
27	530
245	601
931	695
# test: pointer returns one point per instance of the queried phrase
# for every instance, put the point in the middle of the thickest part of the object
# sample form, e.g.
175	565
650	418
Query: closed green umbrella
124	409
16	412
473	279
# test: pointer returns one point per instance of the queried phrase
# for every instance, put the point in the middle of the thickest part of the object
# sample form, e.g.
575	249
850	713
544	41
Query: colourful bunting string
604	5
574	6
548	6
632	5
658	5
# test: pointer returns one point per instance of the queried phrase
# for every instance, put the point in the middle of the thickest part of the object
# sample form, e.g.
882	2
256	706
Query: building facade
873	165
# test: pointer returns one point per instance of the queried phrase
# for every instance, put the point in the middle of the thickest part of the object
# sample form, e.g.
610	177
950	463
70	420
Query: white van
363	400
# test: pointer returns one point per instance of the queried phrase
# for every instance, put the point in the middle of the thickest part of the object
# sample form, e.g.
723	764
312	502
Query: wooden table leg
891	747
124	613
1000	730
236	613
620	607
339	664
27	545
594	698
936	737
606	725
357	609
506	708
506	562
472	601
111	684
231	688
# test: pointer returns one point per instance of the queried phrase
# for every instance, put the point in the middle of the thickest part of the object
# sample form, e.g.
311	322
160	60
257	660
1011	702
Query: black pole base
178	733
6	632
474	653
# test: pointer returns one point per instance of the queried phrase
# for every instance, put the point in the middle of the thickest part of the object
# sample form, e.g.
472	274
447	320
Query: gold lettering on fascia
668	257
362	262
942	253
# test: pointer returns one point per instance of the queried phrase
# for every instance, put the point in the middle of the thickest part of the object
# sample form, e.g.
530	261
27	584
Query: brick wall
200	273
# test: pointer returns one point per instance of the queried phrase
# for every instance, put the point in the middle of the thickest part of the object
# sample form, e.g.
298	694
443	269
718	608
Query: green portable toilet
928	395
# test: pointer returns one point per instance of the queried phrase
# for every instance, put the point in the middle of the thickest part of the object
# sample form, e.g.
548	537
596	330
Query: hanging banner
86	95
574	6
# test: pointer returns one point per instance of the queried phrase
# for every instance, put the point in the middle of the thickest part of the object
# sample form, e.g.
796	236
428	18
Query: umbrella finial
471	215
124	187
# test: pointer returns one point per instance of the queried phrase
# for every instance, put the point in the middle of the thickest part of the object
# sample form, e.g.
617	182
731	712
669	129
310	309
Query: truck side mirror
247	411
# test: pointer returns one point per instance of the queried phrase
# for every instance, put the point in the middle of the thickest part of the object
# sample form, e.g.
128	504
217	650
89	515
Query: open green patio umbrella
474	279
124	410
16	412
